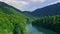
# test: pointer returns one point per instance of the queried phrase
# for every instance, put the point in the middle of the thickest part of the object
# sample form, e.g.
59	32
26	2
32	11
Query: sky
30	5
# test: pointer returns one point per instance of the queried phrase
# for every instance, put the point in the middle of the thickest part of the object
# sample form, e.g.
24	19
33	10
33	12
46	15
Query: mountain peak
3	4
53	9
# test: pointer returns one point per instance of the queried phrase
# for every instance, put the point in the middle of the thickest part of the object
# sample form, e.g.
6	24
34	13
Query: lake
31	29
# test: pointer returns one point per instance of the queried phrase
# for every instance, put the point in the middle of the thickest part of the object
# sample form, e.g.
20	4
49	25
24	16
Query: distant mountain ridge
5	4
45	11
48	10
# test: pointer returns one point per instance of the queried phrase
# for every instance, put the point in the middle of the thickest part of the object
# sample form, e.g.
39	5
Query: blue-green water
37	30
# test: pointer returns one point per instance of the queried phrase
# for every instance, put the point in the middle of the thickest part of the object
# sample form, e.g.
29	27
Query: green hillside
11	21
49	22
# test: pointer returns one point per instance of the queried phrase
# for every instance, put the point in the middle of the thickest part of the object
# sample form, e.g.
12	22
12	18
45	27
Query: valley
44	20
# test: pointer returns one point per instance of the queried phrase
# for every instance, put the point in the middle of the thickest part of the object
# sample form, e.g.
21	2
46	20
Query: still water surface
37	30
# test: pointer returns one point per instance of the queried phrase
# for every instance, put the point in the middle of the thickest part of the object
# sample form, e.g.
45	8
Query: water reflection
32	30
45	31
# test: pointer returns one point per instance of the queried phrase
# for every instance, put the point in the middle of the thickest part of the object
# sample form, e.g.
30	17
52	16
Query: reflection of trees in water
27	20
44	30
49	22
36	26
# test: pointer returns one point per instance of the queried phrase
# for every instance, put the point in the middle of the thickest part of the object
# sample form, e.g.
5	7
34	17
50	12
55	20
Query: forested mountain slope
11	20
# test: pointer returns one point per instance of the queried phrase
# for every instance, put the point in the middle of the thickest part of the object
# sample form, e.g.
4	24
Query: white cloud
15	1
58	1
41	1
23	5
18	4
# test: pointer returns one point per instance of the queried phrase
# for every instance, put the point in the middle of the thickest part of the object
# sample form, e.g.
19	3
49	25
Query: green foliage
11	21
49	22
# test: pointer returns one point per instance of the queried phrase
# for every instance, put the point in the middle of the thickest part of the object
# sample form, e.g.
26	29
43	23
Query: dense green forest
49	22
12	21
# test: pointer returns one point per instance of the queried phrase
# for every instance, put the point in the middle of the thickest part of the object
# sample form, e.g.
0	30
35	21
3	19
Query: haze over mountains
45	11
49	10
14	21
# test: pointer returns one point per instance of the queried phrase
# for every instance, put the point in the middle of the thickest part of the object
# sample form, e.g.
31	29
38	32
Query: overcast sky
30	5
